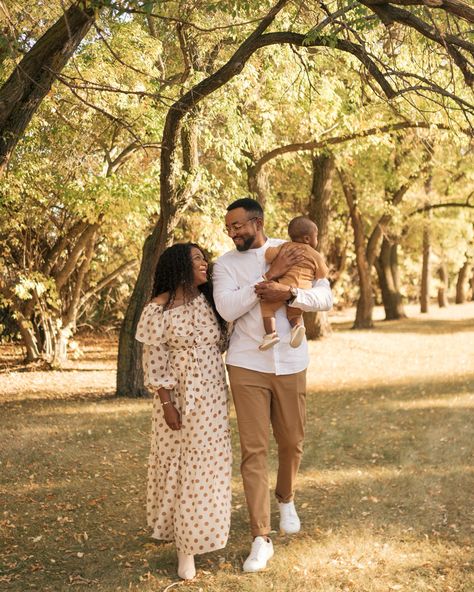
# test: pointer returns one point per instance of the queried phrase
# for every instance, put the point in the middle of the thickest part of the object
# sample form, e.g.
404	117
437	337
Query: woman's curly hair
175	269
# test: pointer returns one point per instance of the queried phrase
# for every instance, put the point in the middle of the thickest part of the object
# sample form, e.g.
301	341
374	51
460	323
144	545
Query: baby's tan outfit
299	276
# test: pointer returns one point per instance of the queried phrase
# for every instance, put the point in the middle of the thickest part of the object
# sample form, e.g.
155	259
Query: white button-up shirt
234	278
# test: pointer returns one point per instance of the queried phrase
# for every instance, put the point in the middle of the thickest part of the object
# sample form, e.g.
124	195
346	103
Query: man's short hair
248	204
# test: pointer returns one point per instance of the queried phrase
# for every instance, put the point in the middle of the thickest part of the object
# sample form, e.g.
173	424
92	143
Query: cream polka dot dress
189	470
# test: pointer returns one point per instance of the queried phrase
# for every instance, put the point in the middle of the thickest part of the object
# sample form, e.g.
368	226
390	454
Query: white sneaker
289	521
269	340
260	553
186	568
297	334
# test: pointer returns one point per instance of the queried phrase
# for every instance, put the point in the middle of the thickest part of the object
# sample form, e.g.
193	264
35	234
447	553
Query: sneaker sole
283	531
298	337
266	346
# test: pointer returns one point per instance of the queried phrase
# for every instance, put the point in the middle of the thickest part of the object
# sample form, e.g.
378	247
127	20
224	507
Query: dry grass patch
386	491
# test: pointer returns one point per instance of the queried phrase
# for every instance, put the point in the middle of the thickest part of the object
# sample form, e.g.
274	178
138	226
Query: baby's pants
269	308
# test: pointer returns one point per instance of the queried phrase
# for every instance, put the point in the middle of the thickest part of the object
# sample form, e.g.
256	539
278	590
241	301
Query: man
269	386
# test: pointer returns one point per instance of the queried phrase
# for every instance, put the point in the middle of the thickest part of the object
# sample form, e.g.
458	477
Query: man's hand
272	291
285	259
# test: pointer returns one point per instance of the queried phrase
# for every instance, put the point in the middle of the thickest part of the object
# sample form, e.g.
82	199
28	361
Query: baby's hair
300	226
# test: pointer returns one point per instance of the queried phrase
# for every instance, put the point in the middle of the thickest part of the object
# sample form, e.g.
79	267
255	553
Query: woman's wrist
164	396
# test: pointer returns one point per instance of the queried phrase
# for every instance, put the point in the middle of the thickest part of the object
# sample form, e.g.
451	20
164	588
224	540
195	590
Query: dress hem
199	552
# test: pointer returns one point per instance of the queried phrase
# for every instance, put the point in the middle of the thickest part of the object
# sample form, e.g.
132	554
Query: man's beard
245	246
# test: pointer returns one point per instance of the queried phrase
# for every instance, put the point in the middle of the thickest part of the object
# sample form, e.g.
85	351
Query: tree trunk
320	199
257	182
29	339
129	370
461	283
31	80
365	304
425	267
59	353
386	265
67	326
317	323
443	286
336	257
425	272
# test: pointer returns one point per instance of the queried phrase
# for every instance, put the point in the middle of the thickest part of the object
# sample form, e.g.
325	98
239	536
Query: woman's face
199	267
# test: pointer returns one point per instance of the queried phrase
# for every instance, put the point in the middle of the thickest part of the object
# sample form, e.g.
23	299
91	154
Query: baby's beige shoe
269	340
297	335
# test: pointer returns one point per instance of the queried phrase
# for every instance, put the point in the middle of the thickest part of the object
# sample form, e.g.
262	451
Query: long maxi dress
189	470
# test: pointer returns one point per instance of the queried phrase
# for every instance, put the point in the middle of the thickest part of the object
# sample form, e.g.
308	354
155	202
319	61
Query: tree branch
31	80
127	152
104	282
455	7
389	14
374	240
449	204
51	257
62	275
392	127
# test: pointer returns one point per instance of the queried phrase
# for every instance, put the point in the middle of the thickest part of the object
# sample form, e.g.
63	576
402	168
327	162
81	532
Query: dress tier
189	470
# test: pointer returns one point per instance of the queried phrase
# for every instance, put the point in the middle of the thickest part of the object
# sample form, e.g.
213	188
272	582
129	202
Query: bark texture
426	253
386	265
461	282
443	285
31	80
317	323
365	303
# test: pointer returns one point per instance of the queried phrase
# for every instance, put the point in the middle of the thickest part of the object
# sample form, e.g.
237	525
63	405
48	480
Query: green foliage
116	94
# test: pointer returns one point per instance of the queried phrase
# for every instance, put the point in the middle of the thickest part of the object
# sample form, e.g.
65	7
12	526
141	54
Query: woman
189	471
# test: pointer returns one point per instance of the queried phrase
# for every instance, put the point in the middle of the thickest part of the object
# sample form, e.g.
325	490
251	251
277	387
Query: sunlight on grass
364	561
339	476
458	401
111	407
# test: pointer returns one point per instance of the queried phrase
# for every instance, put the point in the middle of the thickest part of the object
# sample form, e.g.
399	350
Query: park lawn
386	490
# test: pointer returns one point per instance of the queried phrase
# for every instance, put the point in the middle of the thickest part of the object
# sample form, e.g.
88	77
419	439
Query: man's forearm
232	302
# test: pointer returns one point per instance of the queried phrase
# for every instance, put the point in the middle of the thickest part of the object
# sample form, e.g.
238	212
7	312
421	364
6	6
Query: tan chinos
262	399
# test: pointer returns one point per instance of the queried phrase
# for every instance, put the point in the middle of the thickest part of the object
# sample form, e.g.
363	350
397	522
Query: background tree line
128	125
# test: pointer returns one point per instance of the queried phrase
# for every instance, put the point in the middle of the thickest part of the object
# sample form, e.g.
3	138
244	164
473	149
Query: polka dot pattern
189	471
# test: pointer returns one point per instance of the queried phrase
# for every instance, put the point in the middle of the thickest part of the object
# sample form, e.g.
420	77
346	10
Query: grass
386	490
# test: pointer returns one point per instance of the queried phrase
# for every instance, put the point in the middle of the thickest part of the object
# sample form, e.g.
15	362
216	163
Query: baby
304	234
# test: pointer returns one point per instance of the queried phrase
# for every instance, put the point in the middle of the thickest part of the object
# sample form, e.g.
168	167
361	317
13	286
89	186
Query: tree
462	280
32	78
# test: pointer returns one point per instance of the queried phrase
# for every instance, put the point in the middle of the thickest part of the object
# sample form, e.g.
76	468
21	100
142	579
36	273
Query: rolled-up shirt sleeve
316	299
231	300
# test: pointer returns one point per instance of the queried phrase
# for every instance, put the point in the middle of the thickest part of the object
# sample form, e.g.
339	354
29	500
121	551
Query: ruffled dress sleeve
157	370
